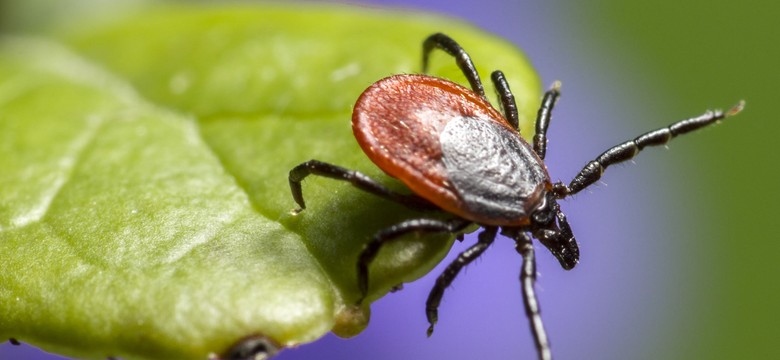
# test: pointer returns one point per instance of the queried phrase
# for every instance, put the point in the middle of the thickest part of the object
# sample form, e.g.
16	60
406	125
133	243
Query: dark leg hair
506	98
359	180
444	280
462	58
627	150
371	249
543	117
525	248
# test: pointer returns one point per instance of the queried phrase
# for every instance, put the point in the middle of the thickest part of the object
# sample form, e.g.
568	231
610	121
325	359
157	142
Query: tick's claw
430	330
736	109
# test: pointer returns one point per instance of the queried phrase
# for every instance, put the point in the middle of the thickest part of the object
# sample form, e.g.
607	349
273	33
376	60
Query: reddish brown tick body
417	138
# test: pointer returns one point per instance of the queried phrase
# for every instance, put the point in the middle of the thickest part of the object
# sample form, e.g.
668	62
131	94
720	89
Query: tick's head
549	225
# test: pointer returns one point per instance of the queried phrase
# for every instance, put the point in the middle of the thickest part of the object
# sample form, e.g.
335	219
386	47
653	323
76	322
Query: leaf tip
351	320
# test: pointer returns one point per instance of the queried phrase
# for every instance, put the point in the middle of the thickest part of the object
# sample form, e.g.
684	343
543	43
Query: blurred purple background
614	304
620	301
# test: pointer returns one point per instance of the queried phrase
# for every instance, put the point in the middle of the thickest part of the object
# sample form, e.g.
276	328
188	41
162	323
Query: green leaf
144	205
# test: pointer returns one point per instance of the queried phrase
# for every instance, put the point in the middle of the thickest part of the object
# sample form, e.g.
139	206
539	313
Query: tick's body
460	155
451	147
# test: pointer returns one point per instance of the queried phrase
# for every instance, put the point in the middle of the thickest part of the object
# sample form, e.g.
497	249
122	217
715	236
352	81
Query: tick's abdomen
451	147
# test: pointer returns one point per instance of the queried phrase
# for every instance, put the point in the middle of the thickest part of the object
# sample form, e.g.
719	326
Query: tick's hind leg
462	58
627	150
444	280
359	180
525	248
394	232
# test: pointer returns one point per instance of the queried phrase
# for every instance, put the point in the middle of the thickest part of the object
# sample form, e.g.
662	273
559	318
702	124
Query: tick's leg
444	280
251	347
359	180
462	58
543	117
627	150
371	249
525	248
506	98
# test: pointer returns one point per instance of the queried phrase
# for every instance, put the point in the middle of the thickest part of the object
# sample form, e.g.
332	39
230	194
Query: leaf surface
144	205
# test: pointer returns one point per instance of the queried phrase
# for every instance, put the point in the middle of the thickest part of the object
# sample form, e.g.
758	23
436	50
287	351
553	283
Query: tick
458	154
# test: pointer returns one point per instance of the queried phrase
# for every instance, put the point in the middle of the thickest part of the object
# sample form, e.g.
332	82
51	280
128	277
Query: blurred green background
671	59
705	53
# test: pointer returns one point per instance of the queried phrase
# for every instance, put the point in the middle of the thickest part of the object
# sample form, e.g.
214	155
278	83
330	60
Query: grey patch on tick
493	171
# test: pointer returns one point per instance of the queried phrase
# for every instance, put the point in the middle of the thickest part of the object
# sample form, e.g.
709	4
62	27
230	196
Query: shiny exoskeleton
458	154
